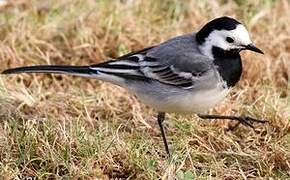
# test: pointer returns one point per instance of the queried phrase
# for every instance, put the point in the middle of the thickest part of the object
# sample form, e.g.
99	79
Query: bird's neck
206	49
229	65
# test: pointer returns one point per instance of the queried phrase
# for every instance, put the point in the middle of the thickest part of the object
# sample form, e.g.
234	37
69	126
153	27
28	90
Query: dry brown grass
57	126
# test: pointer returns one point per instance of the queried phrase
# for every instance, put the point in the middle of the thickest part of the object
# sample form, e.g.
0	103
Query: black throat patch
229	65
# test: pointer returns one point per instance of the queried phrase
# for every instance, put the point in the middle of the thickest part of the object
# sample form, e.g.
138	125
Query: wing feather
176	62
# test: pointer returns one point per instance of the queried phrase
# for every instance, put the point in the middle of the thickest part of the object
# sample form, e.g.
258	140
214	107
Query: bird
189	73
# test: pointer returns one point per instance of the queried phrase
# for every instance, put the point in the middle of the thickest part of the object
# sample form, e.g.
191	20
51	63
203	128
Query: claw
245	120
256	120
248	121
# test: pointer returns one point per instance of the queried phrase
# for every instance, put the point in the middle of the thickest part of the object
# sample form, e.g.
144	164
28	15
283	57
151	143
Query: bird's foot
245	120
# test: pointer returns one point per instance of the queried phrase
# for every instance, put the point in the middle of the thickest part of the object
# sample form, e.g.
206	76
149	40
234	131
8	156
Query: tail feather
116	72
78	70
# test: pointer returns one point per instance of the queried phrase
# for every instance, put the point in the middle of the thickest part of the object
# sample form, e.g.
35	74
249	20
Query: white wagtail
190	73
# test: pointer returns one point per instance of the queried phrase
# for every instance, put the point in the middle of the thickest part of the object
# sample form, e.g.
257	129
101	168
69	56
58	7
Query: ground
59	126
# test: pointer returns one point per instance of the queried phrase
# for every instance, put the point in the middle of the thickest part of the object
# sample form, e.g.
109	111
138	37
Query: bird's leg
245	120
160	119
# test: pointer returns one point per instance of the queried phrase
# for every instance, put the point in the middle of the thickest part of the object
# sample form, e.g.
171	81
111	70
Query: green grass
58	126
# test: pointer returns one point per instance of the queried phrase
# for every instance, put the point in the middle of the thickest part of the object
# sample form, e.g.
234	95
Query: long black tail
116	72
77	70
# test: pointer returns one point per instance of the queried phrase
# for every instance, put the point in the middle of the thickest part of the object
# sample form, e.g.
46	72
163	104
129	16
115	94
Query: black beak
252	47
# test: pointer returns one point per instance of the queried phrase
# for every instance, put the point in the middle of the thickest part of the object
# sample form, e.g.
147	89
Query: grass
57	126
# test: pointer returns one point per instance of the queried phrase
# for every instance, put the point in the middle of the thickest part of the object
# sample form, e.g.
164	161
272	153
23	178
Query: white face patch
217	38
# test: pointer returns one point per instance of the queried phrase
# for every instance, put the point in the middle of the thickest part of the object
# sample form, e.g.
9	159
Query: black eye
230	40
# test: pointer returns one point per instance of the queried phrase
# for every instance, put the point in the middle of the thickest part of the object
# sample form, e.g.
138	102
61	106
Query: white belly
189	102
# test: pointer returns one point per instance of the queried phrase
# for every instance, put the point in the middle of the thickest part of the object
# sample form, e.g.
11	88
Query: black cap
222	23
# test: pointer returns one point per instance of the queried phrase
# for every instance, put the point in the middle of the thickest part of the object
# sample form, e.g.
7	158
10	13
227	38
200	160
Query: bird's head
224	34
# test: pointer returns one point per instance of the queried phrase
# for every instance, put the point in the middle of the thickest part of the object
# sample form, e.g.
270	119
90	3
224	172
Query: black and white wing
176	62
180	75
